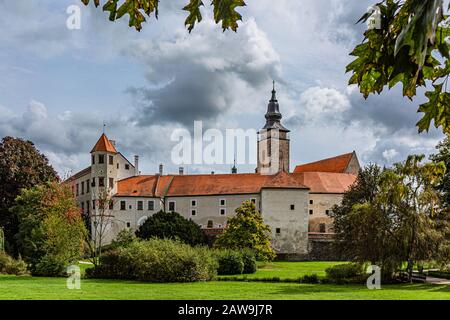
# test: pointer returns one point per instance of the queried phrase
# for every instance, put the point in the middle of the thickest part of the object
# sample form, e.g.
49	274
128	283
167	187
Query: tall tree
247	230
443	155
51	230
21	167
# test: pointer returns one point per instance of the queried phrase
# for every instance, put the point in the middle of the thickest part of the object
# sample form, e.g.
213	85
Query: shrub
249	259
172	225
346	273
310	278
50	266
156	260
230	262
10	266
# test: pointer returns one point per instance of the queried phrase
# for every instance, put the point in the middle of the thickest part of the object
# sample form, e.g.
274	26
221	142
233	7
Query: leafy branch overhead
411	47
224	11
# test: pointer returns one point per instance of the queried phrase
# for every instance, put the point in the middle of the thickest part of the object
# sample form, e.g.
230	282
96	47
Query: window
253	200
117	165
127	166
93	204
140	205
101	158
151	205
87	207
82	207
193	212
171	205
128	225
322	227
111	160
222	202
193	203
278	230
111	205
130	207
93	182
73	189
223	211
101	181
311	211
311	201
123	205
78	187
111	183
292	207
327	212
87	186
93	159
82	187
210	224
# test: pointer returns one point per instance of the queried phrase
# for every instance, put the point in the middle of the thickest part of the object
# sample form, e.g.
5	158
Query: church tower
273	141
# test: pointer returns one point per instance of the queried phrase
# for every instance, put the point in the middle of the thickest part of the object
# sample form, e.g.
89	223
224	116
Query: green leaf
225	11
194	14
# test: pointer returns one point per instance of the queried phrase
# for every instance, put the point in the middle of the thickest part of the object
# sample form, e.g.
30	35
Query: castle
296	205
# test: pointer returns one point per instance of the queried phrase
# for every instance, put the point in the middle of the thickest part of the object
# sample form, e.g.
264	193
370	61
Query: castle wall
321	202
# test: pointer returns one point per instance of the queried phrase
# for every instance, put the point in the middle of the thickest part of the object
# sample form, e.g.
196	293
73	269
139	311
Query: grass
26	287
12	287
288	270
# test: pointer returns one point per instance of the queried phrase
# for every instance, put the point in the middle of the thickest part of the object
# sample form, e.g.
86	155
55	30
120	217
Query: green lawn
288	270
12	287
26	287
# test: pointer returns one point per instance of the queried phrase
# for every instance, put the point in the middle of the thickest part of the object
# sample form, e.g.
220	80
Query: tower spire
273	115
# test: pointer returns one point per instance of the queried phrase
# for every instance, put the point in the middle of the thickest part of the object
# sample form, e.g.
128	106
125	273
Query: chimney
161	169
136	165
181	171
113	142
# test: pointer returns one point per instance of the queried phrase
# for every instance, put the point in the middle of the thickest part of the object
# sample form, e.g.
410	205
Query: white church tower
273	141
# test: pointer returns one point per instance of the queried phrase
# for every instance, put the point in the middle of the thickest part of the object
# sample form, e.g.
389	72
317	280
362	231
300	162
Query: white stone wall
321	202
292	237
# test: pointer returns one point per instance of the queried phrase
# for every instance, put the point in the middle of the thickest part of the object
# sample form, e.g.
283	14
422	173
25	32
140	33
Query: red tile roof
104	145
336	164
326	182
228	184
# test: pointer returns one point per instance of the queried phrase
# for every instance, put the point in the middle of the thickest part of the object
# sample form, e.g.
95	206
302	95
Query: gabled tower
103	167
273	141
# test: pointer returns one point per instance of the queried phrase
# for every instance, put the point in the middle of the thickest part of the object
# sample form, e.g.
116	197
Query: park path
433	280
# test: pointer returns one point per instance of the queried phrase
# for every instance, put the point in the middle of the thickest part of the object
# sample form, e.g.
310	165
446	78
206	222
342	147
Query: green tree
51	230
224	11
247	230
443	155
411	47
404	222
21	167
172	225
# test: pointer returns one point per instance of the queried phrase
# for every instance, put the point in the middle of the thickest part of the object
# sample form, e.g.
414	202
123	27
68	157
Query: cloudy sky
58	86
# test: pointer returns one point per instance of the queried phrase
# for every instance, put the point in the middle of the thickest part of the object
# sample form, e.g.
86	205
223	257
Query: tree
224	11
51	230
403	222
410	47
172	225
443	155
247	230
21	167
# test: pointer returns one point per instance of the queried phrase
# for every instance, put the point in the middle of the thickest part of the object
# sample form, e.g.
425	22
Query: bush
310	278
50	266
230	262
156	260
10	266
249	259
346	273
172	225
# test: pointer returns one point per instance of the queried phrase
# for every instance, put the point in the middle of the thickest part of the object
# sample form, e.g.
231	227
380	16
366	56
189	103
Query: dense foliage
21	167
232	262
247	230
346	273
51	231
224	11
443	155
9	265
411	47
157	260
398	218
172	225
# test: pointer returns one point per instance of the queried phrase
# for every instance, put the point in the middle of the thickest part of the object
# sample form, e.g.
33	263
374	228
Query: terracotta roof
208	184
104	144
326	182
336	164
